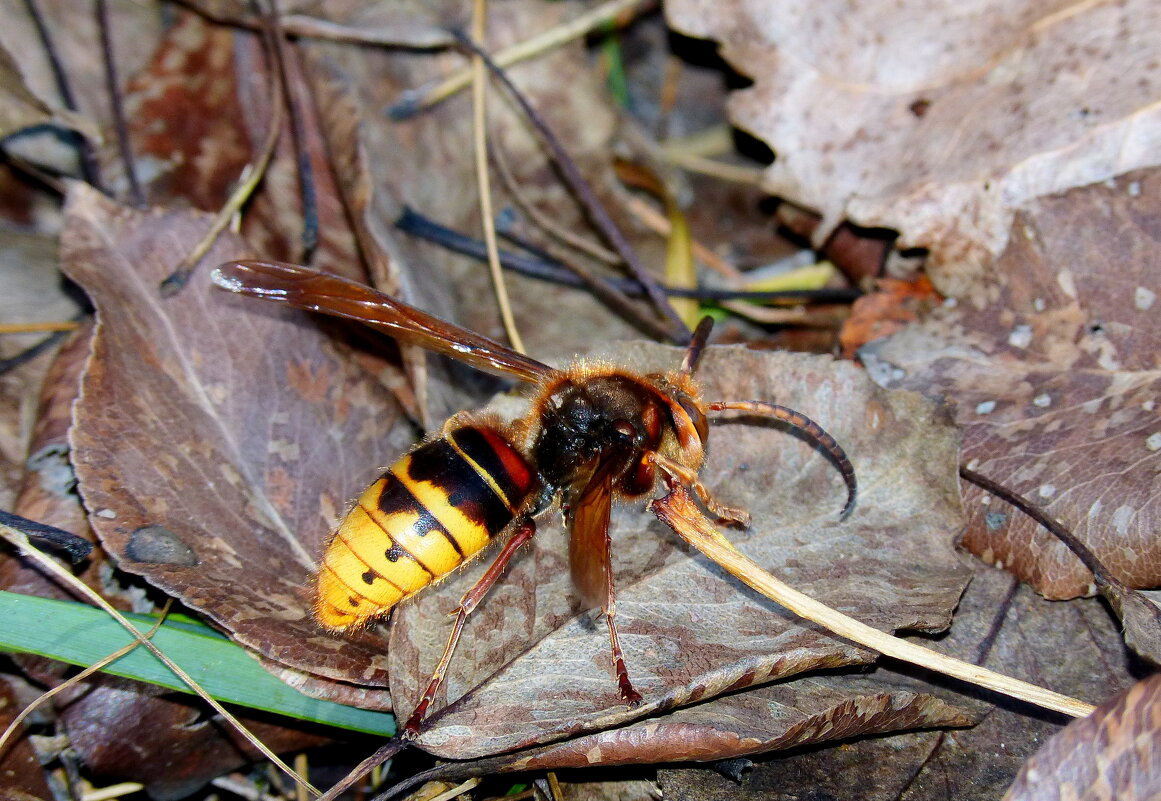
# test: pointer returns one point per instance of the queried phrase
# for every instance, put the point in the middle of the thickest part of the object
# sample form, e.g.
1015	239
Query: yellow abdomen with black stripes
428	514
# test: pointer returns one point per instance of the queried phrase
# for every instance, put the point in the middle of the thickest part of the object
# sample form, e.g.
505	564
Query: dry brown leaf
23	775
131	732
807	711
426	162
21	109
1056	385
173	749
77	44
1112	754
534	667
216	441
939	120
1021	635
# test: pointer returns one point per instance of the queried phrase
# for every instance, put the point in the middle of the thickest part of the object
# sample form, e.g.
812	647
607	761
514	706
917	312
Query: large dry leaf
1056	385
807	711
534	666
937	119
1113	753
164	726
999	623
216	440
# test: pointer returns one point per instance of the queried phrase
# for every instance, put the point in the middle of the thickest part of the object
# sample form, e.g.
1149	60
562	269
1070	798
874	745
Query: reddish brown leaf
227	428
936	122
531	669
1056	388
1111	754
190	130
888	309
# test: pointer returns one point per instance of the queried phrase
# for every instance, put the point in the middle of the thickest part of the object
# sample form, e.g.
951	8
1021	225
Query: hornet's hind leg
524	531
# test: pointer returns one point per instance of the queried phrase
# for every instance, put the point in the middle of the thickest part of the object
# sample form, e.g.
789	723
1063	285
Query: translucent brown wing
309	289
588	543
589	558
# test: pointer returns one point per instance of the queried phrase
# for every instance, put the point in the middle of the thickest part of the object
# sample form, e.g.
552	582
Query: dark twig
90	170
387	751
77	548
587	198
1086	556
984	649
113	85
1141	617
550	269
298	134
30	353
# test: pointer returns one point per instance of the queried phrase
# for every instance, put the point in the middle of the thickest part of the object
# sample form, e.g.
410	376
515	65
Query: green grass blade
81	635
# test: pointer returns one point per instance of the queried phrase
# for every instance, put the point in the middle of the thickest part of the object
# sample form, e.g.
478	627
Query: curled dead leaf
935	122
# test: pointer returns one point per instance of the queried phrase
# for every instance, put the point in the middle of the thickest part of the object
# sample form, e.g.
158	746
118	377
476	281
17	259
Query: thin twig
713	168
18	540
457	791
113	86
607	292
298	134
797	316
77	548
660	225
613	298
588	200
112	791
1086	556
385	752
90	168
31	352
542	220
416	100
678	510
483	184
549	269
